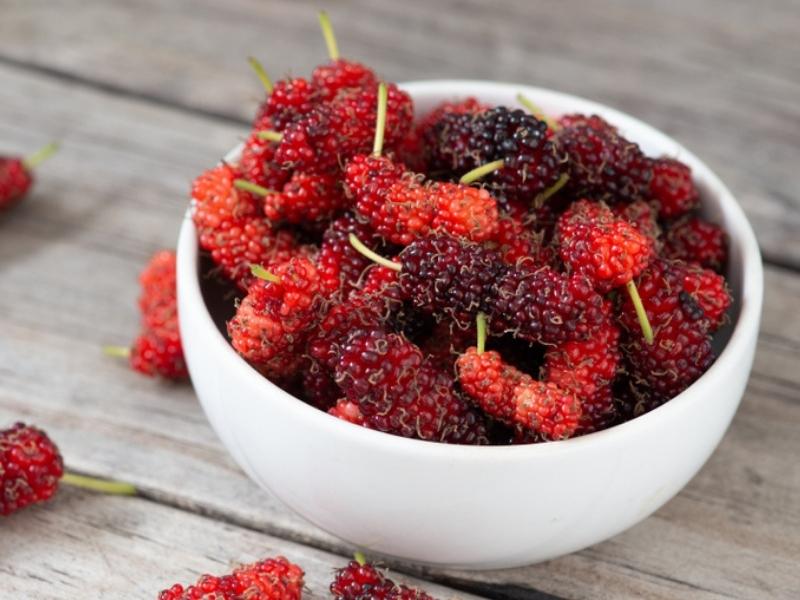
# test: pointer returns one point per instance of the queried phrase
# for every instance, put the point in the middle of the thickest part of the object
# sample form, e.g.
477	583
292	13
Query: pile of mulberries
475	275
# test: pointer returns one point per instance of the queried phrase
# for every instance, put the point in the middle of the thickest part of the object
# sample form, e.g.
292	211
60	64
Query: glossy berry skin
239	243
335	131
331	78
15	181
512	240
230	226
364	311
710	291
414	150
644	218
463	142
348	411
30	467
306	198
541	305
270	579
159	352
340	265
290	100
215	200
490	383
449	278
547	409
695	240
257	164
158	298
318	387
398	393
672	188
603	165
401	207
274	318
366	582
462	211
597	244
681	350
587	368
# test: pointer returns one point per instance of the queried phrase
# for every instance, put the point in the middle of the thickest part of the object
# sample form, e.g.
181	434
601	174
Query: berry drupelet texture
290	100
257	163
603	165
216	200
331	78
490	383
597	244
644	218
343	128
414	151
681	349
672	188
273	320
158	350
587	369
270	579
449	278
340	265
710	291
359	581
547	409
30	467
532	163
399	393
539	304
695	240
306	198
401	207
158	297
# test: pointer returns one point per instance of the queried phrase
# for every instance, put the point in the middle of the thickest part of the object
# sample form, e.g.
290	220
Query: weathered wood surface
68	260
722	76
89	546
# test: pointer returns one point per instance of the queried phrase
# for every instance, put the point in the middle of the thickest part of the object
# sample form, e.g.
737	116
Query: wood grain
723	77
87	546
68	261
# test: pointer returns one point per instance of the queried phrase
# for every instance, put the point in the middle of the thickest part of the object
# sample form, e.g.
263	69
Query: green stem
262	273
41	155
372	255
253	188
105	486
117	351
481	325
641	314
360	558
479	172
536	111
380	122
270	136
261	73
553	189
327	33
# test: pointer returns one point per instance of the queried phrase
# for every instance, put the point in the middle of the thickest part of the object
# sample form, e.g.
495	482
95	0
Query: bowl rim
739	232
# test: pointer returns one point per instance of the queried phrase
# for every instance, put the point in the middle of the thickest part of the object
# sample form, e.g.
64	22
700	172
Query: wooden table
145	94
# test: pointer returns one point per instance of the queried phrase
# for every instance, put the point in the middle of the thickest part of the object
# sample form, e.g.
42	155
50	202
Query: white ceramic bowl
478	507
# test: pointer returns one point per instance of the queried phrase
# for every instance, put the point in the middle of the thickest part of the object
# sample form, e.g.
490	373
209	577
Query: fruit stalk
41	155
